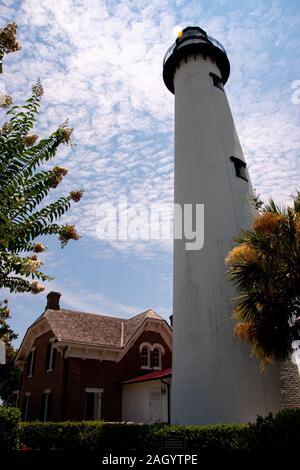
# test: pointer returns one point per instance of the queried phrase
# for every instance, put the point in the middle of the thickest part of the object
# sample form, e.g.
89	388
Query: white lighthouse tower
214	378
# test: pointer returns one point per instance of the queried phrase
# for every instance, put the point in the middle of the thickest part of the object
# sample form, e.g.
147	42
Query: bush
200	438
67	435
280	432
86	435
9	428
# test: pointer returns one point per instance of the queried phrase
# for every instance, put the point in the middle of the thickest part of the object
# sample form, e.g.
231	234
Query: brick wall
42	380
91	373
289	385
72	376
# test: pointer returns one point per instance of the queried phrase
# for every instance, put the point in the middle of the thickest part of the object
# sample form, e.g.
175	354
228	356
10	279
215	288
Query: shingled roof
94	329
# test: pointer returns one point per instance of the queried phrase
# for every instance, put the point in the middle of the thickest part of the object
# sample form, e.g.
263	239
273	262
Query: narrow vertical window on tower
217	81
240	168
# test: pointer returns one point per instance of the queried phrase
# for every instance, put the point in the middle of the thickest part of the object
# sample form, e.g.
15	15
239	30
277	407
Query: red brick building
75	366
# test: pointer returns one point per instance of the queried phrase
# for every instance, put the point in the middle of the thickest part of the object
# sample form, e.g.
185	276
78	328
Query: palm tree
265	267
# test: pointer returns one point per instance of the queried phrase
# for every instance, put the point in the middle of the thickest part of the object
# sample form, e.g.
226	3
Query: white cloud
101	65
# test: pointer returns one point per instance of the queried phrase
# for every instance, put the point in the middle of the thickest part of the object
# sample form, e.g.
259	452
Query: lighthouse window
217	81
240	168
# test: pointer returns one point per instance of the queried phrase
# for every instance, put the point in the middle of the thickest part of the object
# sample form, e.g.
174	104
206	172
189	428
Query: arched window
156	358
145	357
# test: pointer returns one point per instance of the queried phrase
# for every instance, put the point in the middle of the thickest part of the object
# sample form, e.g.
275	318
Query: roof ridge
142	313
84	313
99	314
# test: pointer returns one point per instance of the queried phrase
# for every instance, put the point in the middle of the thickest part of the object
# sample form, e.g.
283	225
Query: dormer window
50	356
156	358
145	349
31	362
151	356
157	354
145	356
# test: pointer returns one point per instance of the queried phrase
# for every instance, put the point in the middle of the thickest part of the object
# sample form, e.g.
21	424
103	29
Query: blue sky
100	63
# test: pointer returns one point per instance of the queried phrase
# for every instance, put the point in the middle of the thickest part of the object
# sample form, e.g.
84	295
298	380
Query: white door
155	406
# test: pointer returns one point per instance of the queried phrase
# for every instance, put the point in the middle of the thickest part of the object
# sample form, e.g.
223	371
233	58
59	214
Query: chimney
53	300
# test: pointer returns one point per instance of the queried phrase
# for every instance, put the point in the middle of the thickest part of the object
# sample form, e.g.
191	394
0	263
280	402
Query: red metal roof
158	374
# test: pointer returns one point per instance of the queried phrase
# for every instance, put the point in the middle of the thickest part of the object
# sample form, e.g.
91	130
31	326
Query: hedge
9	428
85	435
279	432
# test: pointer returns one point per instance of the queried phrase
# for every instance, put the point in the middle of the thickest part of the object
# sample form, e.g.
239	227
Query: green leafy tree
9	372
265	267
24	184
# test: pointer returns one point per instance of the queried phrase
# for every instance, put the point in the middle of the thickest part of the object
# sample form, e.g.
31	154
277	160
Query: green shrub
67	435
273	432
9	428
280	432
86	435
200	438
113	437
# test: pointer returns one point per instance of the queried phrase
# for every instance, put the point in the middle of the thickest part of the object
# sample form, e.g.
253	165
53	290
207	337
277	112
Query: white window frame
47	392
16	394
159	359
97	402
161	352
32	350
148	347
51	340
28	398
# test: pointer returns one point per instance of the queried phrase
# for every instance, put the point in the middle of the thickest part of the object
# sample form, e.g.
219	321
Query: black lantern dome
191	41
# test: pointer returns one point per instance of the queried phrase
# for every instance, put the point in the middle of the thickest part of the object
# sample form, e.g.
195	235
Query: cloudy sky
100	63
